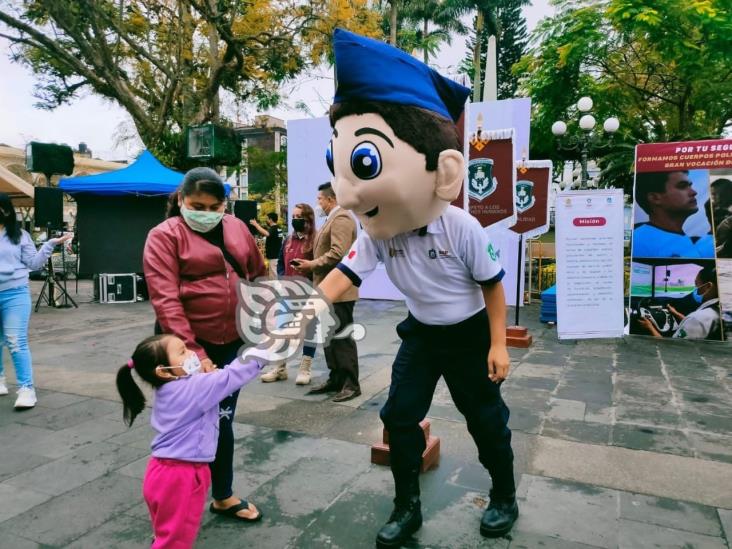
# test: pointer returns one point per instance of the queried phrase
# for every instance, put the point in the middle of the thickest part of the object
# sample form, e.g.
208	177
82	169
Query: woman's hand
304	266
62	239
207	366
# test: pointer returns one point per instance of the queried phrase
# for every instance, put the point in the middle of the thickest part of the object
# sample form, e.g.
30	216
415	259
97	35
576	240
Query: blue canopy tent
116	210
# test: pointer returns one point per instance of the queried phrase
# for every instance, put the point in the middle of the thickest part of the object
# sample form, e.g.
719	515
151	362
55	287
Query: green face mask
201	222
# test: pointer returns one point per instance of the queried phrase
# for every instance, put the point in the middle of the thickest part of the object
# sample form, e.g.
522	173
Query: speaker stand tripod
49	286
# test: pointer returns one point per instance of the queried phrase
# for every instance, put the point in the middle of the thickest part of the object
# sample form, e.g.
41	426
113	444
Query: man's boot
277	373
499	517
406	518
303	374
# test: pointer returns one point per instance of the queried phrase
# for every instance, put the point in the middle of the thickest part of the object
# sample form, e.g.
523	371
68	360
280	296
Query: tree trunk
393	22
425	32
476	56
213	45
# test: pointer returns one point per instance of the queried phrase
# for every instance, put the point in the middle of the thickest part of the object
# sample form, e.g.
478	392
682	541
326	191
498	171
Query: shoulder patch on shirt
352	254
494	255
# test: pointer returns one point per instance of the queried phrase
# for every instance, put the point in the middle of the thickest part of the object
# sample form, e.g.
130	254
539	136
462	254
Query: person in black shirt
272	242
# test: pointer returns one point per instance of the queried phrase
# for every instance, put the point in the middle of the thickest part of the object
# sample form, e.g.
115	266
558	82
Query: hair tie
130	364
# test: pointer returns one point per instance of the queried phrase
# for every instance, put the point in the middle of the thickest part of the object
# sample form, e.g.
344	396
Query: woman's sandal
232	511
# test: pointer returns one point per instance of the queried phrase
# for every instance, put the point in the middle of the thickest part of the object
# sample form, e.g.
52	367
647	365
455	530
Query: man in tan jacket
331	243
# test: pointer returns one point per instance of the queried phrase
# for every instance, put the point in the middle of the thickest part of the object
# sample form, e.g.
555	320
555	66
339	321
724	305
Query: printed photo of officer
677	299
721	208
670	217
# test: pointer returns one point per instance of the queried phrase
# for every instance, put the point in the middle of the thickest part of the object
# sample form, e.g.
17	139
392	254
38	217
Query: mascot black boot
499	517
406	518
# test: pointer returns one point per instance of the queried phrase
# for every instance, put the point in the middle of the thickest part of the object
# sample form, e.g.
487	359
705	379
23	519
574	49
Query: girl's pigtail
132	398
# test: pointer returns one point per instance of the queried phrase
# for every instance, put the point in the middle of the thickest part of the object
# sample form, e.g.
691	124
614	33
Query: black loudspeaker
47	158
48	203
246	210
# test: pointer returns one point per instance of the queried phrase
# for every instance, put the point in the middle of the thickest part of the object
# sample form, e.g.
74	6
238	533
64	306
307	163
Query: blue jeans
15	309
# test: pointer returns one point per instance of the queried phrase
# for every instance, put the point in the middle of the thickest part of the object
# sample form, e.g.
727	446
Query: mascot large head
395	154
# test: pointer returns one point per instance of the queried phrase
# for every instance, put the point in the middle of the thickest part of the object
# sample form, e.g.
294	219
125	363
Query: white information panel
589	243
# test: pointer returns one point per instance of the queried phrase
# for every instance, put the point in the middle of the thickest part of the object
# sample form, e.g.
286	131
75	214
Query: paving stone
526	540
666	416
56	444
138	437
712	446
457	525
49	399
524	420
562	409
718	424
581	431
74	414
67	473
121	532
297	495
70	516
14	503
23	437
587	392
315	419
570	511
639	535
220	533
595	413
11	541
652	439
670	513
14	462
725	517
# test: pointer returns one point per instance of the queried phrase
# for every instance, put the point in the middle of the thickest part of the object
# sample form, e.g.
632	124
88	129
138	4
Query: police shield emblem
481	182
524	195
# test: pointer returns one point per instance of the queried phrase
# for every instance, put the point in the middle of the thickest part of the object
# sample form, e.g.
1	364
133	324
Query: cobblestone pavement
618	443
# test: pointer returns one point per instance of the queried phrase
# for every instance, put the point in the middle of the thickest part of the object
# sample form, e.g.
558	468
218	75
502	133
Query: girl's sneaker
3	386
26	398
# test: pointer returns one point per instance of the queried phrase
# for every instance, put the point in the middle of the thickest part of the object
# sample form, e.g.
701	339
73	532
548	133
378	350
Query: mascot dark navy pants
459	353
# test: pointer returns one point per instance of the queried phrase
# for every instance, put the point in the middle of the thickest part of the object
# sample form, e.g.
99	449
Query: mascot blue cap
369	70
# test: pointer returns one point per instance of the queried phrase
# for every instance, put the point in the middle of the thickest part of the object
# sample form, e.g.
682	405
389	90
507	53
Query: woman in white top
18	256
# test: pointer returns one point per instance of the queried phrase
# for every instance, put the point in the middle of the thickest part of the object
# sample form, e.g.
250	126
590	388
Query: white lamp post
586	138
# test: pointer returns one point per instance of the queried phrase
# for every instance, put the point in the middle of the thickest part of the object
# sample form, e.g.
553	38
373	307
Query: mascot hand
498	364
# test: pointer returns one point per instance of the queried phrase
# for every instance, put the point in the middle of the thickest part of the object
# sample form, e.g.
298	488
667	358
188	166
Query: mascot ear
450	175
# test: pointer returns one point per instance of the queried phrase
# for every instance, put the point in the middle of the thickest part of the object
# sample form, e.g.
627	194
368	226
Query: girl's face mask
191	365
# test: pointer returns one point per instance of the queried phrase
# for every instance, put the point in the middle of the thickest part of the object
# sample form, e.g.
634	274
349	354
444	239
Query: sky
96	121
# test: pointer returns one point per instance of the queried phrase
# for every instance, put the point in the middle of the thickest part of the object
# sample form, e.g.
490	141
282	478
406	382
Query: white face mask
201	222
191	365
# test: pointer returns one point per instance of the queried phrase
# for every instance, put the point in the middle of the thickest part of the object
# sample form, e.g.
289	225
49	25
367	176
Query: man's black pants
458	352
341	355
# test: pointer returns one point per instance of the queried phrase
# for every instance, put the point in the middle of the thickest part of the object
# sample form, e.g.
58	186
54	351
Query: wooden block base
518	336
430	457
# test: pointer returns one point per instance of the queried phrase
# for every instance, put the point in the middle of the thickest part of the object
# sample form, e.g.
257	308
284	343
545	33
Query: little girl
185	417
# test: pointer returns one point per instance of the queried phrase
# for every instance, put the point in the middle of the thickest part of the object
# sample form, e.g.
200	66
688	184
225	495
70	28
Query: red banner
532	197
685	155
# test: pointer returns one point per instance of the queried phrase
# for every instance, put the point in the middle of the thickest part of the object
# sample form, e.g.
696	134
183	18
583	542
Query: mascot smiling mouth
372	213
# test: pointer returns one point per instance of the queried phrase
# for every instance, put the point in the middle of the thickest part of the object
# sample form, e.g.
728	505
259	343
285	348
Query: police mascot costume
397	164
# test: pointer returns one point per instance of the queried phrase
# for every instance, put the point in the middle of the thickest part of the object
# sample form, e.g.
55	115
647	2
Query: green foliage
265	169
663	68
507	23
167	63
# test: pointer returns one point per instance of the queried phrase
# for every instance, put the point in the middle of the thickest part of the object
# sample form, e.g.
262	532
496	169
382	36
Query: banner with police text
533	178
589	244
681	259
